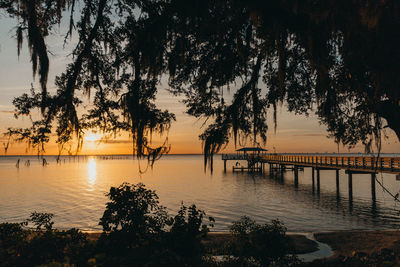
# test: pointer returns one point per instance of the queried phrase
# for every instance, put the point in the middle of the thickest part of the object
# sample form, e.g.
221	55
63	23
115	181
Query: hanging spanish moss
124	79
309	57
313	59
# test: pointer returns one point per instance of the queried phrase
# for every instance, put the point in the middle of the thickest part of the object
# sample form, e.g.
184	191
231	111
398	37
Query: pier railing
389	164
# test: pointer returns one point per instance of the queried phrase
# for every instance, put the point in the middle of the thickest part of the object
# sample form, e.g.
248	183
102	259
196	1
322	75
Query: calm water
75	192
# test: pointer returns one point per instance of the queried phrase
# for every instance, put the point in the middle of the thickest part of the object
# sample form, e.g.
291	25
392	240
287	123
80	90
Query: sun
92	137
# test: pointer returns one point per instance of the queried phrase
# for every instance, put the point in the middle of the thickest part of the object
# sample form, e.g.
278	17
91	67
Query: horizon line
188	154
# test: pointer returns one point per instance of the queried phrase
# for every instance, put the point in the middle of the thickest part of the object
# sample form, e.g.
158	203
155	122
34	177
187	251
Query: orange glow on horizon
183	139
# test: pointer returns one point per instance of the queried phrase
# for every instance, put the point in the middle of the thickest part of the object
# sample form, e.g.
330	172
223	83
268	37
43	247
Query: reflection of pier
257	159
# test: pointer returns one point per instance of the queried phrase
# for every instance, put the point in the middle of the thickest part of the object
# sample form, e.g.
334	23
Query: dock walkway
365	164
351	165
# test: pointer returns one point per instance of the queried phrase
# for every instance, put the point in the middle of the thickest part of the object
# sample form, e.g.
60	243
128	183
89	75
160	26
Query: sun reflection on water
92	171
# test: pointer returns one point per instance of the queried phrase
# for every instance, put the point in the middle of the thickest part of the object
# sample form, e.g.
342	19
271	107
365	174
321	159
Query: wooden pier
350	164
359	164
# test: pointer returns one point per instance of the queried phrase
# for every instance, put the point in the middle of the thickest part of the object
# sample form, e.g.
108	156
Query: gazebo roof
247	149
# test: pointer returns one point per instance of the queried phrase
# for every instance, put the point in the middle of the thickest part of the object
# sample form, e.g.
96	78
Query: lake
74	190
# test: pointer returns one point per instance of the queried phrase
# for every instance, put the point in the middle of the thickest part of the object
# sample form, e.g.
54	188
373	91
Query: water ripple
75	192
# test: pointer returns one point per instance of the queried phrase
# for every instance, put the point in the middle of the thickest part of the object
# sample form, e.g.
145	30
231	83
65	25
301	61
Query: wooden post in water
318	182
373	175
350	185
337	182
313	179
296	176
224	165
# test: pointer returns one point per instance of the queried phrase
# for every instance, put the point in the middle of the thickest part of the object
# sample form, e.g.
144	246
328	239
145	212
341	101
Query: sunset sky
294	133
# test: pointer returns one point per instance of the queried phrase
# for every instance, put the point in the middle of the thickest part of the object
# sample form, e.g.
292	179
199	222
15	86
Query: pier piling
373	175
350	174
313	178
337	182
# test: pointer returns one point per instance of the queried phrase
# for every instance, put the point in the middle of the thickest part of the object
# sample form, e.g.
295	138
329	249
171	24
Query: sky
294	133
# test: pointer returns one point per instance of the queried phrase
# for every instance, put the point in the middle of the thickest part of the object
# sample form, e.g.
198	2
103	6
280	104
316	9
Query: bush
24	247
13	240
266	244
133	209
40	220
186	233
133	226
137	230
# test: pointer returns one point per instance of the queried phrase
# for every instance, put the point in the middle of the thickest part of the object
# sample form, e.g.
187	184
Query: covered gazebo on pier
251	154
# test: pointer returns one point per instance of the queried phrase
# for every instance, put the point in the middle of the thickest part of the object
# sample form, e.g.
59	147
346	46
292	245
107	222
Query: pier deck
363	164
351	165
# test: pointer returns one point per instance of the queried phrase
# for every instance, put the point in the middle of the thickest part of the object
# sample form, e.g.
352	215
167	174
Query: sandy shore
342	243
347	243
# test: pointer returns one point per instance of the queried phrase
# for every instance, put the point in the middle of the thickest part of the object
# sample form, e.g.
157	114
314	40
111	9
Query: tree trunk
390	111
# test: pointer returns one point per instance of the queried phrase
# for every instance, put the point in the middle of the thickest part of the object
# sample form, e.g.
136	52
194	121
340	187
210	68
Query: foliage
138	230
266	244
114	58
133	209
133	224
309	55
41	219
184	237
12	243
69	247
23	247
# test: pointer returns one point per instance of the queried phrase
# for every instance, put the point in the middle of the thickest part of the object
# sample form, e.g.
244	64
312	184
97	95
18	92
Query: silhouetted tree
137	230
334	57
337	58
121	59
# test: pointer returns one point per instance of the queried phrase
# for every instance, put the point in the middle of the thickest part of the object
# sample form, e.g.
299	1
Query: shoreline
342	243
328	247
349	242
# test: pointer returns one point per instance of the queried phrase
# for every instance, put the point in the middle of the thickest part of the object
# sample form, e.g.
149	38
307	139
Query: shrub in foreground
20	246
137	229
13	240
262	244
